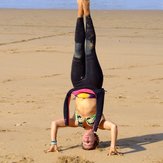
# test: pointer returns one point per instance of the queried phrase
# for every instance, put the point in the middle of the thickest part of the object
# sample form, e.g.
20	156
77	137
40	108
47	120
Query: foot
80	8
86	7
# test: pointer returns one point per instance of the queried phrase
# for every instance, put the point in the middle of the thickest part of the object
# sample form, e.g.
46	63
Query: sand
36	48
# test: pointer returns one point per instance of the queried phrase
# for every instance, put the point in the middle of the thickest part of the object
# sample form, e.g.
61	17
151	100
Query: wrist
53	142
112	147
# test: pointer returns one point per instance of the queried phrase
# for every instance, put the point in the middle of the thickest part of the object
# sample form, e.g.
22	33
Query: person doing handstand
87	79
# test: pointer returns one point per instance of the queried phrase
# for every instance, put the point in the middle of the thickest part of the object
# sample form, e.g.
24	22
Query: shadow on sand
67	148
136	143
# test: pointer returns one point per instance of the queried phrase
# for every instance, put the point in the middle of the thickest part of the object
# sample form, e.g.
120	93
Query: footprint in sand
159	161
5	130
120	97
156	79
154	97
72	159
111	76
154	125
7	80
20	124
49	76
15	159
124	125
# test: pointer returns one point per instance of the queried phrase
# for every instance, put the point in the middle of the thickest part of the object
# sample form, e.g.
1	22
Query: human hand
53	148
113	151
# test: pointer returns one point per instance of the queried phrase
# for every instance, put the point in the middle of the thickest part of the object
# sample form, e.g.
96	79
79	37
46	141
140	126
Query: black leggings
86	71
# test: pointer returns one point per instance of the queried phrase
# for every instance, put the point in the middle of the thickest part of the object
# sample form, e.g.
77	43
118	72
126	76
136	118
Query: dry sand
36	49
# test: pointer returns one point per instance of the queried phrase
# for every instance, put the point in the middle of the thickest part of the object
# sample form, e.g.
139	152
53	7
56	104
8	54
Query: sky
95	4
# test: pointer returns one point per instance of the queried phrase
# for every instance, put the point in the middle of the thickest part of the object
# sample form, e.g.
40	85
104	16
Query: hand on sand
53	148
113	151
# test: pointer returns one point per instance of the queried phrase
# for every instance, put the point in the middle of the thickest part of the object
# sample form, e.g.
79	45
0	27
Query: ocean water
95	4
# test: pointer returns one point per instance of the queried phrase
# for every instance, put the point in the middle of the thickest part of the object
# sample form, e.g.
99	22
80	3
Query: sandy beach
36	48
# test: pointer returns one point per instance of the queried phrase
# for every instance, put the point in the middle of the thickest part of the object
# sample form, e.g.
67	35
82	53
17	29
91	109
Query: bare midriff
85	107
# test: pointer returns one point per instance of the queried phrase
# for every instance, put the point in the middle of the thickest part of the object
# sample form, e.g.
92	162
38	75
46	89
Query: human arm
54	130
108	125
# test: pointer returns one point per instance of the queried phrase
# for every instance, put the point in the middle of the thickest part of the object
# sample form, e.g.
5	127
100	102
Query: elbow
54	124
114	127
